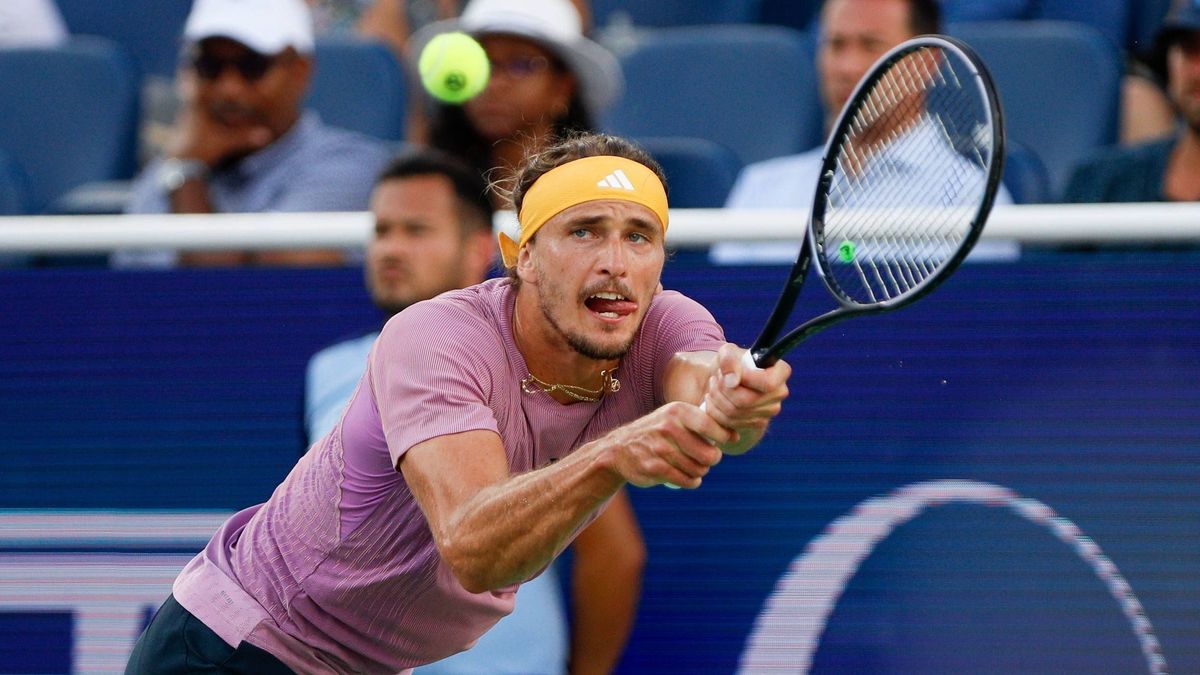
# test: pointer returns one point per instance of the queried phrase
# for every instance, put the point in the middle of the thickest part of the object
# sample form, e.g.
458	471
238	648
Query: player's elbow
472	571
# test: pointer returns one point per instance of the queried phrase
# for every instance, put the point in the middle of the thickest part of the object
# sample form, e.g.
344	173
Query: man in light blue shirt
433	233
242	141
853	35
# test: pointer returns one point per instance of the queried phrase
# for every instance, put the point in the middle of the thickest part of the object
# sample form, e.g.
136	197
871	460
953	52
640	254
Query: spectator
392	21
31	23
433	233
853	35
547	80
1166	169
242	141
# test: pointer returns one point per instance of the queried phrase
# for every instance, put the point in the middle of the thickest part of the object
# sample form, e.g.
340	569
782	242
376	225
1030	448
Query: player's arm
606	583
493	529
739	398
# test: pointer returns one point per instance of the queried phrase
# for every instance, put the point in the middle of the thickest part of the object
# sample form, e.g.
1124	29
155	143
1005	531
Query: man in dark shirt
1167	169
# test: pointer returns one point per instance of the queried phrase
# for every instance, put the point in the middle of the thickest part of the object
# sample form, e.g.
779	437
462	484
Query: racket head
910	174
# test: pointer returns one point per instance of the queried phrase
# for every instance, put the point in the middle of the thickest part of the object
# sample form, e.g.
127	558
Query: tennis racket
908	178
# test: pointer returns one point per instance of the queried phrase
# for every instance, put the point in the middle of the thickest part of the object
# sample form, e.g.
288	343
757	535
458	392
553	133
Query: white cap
554	24
266	26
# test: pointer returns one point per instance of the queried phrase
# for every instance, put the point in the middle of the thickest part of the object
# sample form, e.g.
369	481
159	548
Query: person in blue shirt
433	233
853	35
242	141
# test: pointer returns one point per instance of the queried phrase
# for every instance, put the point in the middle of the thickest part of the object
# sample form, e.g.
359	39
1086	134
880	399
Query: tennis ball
453	67
846	251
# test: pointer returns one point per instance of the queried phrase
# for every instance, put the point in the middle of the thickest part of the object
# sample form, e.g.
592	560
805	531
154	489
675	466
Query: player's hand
201	133
673	444
745	399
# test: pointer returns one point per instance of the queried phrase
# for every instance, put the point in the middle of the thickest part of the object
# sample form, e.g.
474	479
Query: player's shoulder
671	308
473	311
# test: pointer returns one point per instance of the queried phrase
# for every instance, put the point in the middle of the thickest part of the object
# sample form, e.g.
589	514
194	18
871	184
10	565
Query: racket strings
907	178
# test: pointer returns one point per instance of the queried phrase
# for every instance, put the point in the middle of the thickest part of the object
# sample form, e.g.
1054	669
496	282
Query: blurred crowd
242	121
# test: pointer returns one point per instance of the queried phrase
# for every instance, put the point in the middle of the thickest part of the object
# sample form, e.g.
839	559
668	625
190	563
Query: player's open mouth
610	306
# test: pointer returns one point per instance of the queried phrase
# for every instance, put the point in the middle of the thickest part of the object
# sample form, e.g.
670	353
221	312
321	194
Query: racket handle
748	363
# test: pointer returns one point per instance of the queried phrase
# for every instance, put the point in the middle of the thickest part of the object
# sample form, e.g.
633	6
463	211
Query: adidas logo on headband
616	179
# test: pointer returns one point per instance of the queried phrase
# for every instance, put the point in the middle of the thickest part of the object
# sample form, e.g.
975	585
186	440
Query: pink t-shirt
338	571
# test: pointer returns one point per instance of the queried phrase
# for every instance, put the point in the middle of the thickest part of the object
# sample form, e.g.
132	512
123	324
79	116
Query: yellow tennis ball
453	67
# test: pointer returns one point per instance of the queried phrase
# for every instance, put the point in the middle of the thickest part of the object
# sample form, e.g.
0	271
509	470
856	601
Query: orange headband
584	180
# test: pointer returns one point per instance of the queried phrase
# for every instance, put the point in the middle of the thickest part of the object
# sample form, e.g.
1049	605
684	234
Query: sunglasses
250	65
521	67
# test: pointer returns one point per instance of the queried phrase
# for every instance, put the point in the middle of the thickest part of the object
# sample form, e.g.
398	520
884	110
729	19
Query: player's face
419	249
1183	65
239	87
526	93
596	267
854	34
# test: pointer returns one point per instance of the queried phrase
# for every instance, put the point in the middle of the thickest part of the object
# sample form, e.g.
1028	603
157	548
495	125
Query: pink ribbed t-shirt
338	571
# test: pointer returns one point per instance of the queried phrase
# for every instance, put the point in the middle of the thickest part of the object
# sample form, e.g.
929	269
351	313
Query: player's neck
1183	169
551	360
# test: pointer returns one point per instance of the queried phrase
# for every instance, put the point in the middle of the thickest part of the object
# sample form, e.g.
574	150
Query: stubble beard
581	344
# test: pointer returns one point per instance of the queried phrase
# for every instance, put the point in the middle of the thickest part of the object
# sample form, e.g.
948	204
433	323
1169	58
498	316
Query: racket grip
747	362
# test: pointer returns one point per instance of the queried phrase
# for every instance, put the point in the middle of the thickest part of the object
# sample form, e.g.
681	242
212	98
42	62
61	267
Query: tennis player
491	426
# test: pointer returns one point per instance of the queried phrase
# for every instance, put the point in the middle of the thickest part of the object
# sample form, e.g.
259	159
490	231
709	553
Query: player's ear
525	267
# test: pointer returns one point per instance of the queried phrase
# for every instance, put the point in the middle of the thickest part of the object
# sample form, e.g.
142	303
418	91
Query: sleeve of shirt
428	378
146	196
677	324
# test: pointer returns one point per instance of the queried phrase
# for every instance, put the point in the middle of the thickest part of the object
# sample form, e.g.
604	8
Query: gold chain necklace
609	384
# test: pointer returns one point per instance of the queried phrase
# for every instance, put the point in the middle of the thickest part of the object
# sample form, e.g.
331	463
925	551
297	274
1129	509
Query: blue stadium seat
699	172
359	85
798	14
1112	18
148	29
661	13
749	88
1025	176
69	116
1059	85
12	187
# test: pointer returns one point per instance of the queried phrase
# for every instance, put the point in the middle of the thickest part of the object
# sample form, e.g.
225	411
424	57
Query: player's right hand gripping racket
909	176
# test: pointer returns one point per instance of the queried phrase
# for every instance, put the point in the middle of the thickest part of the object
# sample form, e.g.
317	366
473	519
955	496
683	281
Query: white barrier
1113	224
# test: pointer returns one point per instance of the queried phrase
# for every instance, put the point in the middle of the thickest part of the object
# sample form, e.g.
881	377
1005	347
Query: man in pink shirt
491	426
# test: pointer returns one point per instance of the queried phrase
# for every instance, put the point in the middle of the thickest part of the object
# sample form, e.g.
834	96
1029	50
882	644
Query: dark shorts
177	642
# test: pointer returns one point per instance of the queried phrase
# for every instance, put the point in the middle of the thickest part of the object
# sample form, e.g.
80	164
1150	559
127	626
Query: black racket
908	179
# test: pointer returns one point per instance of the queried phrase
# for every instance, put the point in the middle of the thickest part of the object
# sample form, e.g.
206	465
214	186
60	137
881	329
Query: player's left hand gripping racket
909	176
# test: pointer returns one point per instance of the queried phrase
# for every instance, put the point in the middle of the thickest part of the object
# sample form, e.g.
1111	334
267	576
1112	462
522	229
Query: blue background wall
1069	377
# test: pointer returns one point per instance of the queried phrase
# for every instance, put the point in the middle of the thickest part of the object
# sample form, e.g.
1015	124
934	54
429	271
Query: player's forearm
507	532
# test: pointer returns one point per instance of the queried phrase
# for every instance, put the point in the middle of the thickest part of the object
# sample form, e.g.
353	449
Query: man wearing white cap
242	141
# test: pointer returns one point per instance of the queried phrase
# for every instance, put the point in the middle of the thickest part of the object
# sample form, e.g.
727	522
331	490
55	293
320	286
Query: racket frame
766	349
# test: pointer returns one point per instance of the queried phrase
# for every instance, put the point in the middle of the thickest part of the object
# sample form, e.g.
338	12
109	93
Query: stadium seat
1112	18
1059	86
749	88
148	30
699	172
12	187
662	13
798	14
1025	176
70	116
360	86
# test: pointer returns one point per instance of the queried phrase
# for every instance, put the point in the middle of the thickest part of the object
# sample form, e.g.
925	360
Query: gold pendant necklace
609	384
